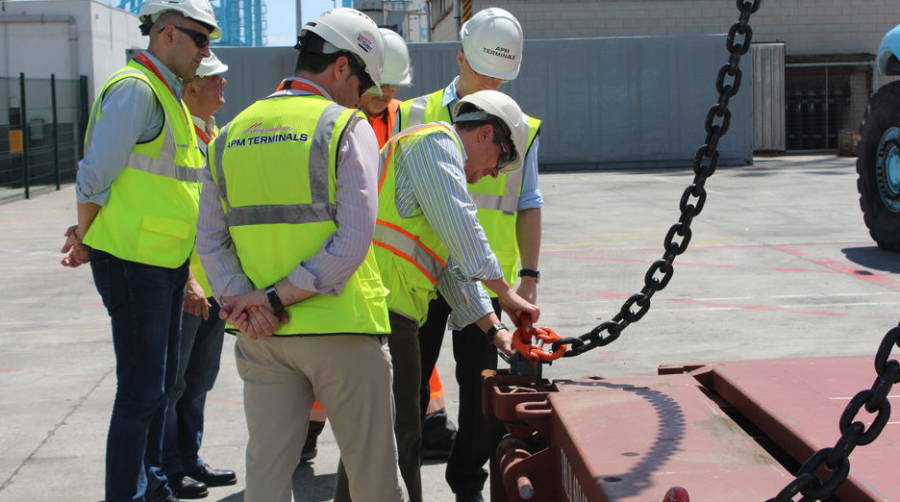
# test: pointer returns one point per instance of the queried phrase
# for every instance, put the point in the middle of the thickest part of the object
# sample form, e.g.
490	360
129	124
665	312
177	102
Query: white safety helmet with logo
211	65
198	10
504	108
492	42
397	70
350	30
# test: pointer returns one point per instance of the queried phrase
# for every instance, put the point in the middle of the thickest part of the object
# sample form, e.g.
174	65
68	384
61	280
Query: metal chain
718	120
834	462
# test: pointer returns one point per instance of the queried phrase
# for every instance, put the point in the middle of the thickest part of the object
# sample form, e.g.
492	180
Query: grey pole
26	173
299	4
55	129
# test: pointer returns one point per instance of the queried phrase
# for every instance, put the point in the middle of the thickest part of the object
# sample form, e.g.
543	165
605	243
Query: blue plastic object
889	50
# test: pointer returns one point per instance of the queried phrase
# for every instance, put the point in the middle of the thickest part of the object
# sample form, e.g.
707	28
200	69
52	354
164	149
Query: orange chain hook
522	342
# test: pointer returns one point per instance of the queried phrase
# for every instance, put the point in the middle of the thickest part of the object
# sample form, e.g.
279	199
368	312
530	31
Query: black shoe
213	477
312	437
469	497
186	487
438	435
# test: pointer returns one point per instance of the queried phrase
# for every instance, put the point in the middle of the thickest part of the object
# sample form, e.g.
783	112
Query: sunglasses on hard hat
200	39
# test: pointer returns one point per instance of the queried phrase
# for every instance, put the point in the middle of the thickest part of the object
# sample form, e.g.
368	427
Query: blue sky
282	30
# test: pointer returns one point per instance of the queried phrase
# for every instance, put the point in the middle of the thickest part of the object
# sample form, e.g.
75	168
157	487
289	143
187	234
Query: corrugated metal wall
768	97
605	102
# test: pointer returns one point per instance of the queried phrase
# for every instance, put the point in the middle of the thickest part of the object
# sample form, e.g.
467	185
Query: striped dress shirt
431	181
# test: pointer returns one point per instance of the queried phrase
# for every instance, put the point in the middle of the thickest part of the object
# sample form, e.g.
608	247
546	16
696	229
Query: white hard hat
492	41
396	59
198	10
505	109
211	65
352	31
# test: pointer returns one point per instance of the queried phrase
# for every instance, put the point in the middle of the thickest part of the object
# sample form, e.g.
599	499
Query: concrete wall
648	112
807	26
77	37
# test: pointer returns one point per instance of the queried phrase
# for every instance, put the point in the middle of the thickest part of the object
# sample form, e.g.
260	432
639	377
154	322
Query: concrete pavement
780	265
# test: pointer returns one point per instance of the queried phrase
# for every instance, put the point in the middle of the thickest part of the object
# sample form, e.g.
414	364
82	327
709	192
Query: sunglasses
200	39
506	158
365	81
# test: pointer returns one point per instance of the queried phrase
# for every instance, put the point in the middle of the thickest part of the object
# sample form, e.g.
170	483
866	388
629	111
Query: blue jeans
144	303
198	365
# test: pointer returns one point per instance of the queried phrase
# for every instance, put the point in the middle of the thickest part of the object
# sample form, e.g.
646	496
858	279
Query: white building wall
807	26
85	37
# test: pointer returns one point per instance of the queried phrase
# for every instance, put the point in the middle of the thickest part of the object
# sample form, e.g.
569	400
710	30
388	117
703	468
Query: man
509	209
137	190
427	237
287	214
380	109
201	329
438	431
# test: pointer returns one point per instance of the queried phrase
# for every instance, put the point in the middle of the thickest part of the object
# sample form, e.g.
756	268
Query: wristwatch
274	301
492	331
528	272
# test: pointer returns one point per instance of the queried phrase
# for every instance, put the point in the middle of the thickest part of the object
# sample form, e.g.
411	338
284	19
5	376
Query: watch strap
274	300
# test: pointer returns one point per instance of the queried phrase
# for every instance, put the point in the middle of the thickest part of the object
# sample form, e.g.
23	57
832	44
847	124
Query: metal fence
42	124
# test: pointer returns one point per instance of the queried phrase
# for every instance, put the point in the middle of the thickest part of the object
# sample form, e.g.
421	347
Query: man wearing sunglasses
509	209
285	236
427	238
137	190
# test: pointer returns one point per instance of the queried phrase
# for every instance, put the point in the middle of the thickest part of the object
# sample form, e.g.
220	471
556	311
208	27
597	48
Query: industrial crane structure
243	21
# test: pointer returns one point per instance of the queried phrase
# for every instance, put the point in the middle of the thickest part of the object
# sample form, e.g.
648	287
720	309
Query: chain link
717	123
834	462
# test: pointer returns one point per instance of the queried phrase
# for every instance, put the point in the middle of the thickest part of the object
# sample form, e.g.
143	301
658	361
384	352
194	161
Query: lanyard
202	134
298	86
145	61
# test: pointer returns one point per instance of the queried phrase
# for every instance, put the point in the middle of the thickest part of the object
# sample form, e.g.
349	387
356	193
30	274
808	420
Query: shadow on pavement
308	487
874	257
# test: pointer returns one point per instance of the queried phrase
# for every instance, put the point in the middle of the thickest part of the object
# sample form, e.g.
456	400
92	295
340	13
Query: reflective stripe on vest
417	111
509	201
318	210
409	247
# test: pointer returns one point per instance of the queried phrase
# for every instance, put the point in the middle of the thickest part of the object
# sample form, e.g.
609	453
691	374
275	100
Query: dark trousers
198	366
475	439
404	347
144	304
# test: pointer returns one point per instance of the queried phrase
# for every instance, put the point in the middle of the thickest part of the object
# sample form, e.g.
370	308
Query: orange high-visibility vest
385	123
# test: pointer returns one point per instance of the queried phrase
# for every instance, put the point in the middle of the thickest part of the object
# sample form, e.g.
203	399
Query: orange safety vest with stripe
385	125
409	252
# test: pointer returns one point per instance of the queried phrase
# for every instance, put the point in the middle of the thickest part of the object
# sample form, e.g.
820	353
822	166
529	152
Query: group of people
333	228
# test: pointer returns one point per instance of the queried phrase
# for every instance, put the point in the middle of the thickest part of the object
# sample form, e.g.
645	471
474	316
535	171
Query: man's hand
195	302
503	341
252	314
514	306
76	252
528	289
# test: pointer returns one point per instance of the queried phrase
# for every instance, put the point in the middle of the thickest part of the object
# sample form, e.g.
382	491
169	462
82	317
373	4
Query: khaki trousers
404	347
351	377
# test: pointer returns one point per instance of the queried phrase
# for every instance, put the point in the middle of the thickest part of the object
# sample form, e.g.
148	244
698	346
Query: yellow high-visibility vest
410	254
275	166
497	199
151	214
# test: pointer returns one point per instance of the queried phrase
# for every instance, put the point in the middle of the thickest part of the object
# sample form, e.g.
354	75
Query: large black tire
879	196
